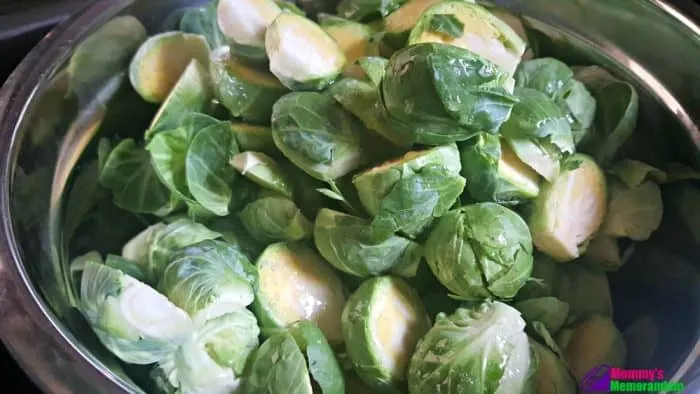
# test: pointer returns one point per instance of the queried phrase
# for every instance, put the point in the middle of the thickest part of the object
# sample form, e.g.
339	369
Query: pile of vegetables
383	196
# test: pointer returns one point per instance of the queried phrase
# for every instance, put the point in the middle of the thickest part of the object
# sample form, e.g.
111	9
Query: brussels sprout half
473	28
569	211
297	284
160	61
355	39
302	55
191	94
594	341
246	92
479	350
495	173
480	251
407	193
382	322
244	23
132	320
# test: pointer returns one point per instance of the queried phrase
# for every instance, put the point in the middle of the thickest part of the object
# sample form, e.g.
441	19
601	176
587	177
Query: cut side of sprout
569	211
302	55
518	173
297	284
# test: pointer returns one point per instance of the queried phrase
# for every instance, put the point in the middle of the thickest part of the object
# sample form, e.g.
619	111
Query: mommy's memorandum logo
607	379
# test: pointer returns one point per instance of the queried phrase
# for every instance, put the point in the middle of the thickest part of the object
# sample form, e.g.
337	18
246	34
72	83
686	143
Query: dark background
22	24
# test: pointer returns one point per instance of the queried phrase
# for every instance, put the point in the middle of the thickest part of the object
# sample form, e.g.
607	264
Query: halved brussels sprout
314	132
480	251
594	341
160	61
209	279
288	361
399	23
362	10
263	170
213	359
345	242
191	94
245	91
302	55
355	39
538	132
550	311
406	194
382	322
135	322
479	350
569	211
446	93
244	23
472	27
275	218
495	173
254	138
297	284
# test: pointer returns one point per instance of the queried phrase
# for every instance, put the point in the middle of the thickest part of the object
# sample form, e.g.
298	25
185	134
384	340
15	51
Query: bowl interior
59	210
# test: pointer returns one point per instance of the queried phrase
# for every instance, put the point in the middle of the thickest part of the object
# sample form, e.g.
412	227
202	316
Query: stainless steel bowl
43	134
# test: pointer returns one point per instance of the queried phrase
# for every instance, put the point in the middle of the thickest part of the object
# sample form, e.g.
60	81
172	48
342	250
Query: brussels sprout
362	100
550	311
212	360
129	174
297	284
569	211
552	376
203	20
363	10
405	194
161	60
105	53
495	173
399	23
448	93
472	27
207	171
284	361
555	79
538	132
382	322
594	341
171	238
209	279
317	135
244	23
263	170
479	350
135	322
345	242
190	95
480	251
246	92
274	218
302	55
355	39
254	138
616	113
